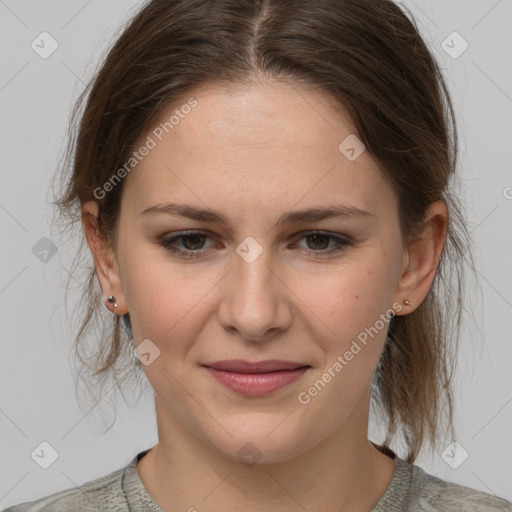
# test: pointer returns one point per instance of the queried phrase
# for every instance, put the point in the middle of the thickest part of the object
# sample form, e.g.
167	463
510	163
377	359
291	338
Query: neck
341	472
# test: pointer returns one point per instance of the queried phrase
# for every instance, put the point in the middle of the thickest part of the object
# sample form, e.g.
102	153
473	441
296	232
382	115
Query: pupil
316	237
194	238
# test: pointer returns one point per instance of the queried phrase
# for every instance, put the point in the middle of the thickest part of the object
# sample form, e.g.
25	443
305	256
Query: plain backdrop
37	400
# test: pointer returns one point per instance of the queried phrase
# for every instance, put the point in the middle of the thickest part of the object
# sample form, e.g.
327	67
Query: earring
406	302
111	299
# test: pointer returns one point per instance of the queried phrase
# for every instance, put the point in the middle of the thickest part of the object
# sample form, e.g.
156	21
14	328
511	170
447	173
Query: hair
368	55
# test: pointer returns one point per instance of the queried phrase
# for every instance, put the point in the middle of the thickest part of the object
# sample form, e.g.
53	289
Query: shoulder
431	494
104	493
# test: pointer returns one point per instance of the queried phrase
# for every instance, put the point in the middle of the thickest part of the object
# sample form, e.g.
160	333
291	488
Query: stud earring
406	302
112	300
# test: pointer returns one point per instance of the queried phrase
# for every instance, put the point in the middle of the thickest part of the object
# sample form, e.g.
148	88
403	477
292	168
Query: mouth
255	378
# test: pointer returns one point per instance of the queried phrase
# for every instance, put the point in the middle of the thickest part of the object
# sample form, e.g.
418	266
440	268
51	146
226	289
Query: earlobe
422	257
104	259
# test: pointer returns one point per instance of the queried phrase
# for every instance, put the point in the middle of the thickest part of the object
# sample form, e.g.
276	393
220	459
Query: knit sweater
411	490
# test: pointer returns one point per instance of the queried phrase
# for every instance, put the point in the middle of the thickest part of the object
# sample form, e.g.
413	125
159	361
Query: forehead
266	145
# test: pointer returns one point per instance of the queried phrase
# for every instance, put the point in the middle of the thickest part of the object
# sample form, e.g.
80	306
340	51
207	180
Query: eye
193	243
318	243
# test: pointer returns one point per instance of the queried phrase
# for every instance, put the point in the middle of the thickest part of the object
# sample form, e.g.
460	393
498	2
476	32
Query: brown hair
369	56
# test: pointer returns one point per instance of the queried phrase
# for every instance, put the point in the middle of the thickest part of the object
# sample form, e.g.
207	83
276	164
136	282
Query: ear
104	259
421	258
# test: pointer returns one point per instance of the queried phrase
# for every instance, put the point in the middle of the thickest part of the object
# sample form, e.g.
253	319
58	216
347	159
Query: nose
255	299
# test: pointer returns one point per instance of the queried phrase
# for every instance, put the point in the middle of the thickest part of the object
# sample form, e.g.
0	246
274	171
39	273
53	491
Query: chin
261	438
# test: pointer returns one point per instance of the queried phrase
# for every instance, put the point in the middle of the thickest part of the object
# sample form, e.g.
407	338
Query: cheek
161	313
349	300
158	294
355	306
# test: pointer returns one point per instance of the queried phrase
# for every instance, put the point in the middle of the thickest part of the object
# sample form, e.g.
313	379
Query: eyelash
166	243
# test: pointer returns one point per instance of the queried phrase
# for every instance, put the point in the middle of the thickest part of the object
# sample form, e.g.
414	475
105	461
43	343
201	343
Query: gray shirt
411	490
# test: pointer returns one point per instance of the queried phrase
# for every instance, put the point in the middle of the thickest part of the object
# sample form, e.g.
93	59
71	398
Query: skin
255	152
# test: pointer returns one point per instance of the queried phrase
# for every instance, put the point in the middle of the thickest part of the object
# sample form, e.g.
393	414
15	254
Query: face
251	284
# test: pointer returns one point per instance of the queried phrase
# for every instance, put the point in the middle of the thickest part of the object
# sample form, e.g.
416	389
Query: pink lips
258	378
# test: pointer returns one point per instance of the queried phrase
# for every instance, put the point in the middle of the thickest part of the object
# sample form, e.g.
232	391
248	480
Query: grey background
37	394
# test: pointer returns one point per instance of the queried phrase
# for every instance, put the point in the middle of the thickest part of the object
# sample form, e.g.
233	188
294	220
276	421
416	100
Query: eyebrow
292	217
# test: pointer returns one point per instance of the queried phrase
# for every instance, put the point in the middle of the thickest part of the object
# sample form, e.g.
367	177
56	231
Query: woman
263	187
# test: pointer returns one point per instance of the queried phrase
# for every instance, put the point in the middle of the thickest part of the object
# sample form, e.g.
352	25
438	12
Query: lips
255	379
241	366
